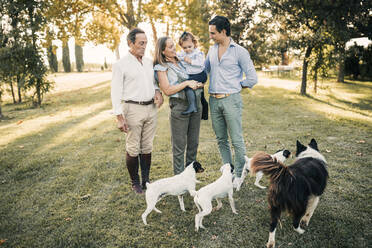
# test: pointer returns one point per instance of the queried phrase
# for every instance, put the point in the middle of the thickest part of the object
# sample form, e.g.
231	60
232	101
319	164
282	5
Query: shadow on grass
357	84
355	107
51	104
42	203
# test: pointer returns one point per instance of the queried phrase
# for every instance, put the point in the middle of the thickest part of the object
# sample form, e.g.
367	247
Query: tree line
273	31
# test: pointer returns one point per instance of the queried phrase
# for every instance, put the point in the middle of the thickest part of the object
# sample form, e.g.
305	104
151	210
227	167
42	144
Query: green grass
52	158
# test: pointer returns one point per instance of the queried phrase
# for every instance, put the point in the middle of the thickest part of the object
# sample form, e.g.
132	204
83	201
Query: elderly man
135	96
226	62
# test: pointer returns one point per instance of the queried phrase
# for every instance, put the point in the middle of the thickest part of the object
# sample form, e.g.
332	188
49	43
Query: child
193	61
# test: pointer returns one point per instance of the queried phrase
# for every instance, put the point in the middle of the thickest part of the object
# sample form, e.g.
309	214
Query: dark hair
132	34
221	23
186	36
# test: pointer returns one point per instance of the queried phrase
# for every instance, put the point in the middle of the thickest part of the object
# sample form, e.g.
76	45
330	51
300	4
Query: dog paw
300	230
235	212
157	210
270	244
305	220
261	187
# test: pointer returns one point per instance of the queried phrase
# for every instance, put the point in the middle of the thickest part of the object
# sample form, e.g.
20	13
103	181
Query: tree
349	19
103	29
51	50
121	14
80	9
66	57
22	50
68	16
307	21
197	18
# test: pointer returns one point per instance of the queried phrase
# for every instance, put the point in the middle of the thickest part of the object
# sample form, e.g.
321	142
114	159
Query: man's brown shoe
136	188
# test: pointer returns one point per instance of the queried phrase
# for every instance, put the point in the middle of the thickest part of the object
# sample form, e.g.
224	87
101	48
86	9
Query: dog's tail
264	162
147	184
196	201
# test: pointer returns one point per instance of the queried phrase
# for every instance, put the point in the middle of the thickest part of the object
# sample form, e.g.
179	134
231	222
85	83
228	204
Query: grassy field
63	182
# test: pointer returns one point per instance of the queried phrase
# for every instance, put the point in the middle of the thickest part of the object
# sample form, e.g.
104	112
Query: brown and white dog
295	188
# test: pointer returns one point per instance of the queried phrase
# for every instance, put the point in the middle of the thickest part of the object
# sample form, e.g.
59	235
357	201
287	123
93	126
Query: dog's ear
313	144
197	167
299	148
232	168
246	159
286	153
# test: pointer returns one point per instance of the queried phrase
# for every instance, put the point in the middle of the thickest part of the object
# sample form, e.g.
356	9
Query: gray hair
132	34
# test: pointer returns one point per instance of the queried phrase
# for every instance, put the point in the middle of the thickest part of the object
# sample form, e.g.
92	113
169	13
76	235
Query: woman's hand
200	85
192	84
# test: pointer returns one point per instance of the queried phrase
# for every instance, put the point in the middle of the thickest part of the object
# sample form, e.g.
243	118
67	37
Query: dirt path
74	80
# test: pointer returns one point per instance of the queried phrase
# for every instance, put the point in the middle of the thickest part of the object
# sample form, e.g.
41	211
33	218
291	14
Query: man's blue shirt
226	75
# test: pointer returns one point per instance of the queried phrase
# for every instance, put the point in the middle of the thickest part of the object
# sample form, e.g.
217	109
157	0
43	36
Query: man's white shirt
131	80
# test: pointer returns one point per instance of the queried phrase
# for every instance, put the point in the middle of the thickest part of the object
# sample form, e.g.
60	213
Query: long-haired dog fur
280	155
295	188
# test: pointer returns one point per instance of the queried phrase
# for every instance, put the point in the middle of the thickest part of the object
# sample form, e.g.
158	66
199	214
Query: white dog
176	185
220	188
280	155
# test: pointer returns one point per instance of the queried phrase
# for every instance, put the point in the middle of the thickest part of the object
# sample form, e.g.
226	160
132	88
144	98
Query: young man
226	62
134	98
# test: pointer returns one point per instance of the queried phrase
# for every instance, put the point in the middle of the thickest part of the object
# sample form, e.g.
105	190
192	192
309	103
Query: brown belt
141	102
219	95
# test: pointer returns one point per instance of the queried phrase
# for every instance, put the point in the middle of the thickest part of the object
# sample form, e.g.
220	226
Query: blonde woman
172	78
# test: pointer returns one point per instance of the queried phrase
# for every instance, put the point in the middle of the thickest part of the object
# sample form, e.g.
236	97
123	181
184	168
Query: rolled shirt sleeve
248	68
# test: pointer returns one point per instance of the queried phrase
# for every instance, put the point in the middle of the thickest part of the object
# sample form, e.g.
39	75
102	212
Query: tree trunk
155	35
79	58
12	90
52	59
304	70
341	64
19	87
167	32
38	92
285	58
1	112
315	80
66	57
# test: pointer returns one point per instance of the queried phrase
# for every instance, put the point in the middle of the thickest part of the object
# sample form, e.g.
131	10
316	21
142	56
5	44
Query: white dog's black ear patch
286	153
197	167
300	148
232	168
313	144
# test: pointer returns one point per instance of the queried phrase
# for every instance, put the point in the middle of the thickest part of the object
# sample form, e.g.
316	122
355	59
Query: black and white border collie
295	188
